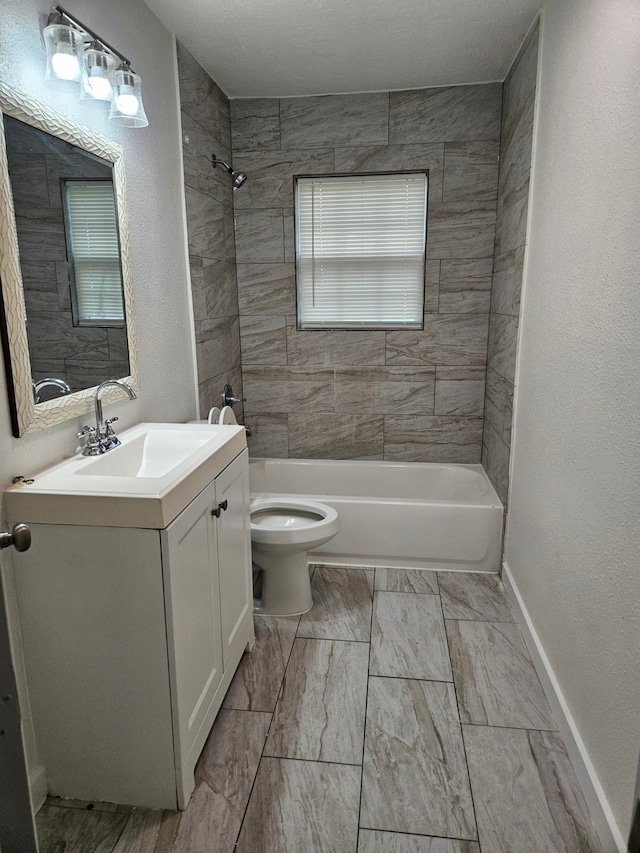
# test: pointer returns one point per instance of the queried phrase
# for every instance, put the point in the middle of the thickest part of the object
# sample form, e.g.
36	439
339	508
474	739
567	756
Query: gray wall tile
263	340
372	390
272	174
498	405
513	196
507	282
432	438
335	120
255	124
259	236
396	158
341	347
471	171
449	339
460	391
503	342
460	229
453	131
445	114
288	389
465	286
341	436
270	434
267	288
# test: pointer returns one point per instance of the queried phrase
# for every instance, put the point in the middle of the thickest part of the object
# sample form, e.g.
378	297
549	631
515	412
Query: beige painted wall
573	539
158	248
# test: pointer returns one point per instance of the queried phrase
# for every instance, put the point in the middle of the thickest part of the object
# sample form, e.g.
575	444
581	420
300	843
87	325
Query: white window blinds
94	252
360	251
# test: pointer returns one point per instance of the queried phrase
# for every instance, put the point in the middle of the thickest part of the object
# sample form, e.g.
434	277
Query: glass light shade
98	84
127	109
65	69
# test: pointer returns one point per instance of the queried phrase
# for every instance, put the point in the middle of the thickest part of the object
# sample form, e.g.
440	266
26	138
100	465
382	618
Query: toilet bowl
282	531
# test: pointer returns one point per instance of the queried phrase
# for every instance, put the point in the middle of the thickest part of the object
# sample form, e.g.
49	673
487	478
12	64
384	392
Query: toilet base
286	588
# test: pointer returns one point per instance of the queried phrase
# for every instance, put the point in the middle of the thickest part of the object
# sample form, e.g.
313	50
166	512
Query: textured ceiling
276	48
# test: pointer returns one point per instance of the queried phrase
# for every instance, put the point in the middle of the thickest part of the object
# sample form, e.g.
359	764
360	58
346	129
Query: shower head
238	177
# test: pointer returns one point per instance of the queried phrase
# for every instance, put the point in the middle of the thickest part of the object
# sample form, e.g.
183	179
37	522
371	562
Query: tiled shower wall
513	196
401	395
212	254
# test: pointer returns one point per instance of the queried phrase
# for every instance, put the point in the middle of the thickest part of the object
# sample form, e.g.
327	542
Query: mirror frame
25	415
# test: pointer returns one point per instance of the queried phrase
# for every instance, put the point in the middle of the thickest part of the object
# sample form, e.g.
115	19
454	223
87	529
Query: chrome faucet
102	437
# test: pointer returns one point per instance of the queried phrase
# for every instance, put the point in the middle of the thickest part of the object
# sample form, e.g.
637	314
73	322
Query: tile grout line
262	755
366	704
464	746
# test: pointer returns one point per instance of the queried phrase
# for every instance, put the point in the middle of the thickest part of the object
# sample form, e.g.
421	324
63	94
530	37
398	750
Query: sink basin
152	454
145	482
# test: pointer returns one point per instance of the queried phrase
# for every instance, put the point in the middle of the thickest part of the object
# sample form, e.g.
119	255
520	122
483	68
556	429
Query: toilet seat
279	522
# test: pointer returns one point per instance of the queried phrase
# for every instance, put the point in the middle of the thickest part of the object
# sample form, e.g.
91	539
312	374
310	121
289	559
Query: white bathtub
403	514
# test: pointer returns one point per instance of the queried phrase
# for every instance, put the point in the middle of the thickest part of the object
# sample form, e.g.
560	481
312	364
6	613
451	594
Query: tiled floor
401	715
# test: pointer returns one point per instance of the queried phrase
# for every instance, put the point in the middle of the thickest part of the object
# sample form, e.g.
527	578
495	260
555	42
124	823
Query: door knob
20	538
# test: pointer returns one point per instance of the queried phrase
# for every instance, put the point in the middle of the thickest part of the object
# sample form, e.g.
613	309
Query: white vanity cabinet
132	636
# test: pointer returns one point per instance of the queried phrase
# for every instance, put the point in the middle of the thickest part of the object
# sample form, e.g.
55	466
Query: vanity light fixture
79	58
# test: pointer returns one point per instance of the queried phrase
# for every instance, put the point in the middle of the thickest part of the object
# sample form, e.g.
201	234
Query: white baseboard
38	787
599	808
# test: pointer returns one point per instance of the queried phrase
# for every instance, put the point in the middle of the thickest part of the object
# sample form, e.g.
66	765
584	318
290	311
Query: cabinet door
190	569
234	555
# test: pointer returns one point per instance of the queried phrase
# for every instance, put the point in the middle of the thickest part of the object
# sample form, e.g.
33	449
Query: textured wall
158	250
573	537
518	101
407	395
212	252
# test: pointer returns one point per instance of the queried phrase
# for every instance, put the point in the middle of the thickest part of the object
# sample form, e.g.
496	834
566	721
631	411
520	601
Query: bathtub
398	514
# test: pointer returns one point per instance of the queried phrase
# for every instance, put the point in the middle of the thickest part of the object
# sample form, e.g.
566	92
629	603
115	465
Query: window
360	251
93	252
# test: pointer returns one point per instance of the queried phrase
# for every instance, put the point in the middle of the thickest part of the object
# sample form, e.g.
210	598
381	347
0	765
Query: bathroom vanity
136	606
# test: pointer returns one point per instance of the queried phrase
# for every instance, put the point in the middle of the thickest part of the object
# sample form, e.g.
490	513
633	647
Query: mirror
67	321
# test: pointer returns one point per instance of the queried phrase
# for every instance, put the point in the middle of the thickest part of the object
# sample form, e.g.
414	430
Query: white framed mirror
68	319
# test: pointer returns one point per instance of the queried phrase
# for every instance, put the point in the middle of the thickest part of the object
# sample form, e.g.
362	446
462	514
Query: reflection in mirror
66	316
66	223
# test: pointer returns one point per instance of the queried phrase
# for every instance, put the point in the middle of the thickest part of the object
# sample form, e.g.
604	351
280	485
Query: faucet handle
108	423
86	431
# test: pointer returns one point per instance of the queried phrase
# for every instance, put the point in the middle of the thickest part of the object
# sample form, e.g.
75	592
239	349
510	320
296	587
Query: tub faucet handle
228	398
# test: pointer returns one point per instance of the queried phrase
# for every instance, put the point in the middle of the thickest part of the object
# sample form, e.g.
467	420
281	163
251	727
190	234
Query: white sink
152	454
145	482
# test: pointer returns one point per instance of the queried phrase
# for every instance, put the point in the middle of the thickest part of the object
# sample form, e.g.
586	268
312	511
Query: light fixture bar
80	26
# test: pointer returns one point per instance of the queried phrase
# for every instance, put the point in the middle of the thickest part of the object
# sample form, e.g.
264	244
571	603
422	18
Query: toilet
282	531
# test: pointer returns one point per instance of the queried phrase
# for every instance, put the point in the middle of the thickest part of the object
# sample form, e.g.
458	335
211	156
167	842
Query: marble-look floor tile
320	711
415	776
406	580
341	605
526	774
141	833
408	639
370	841
302	806
224	777
256	684
77	831
496	683
474	595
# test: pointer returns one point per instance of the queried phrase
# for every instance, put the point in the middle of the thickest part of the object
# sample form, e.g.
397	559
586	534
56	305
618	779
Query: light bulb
100	88
127	102
65	66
